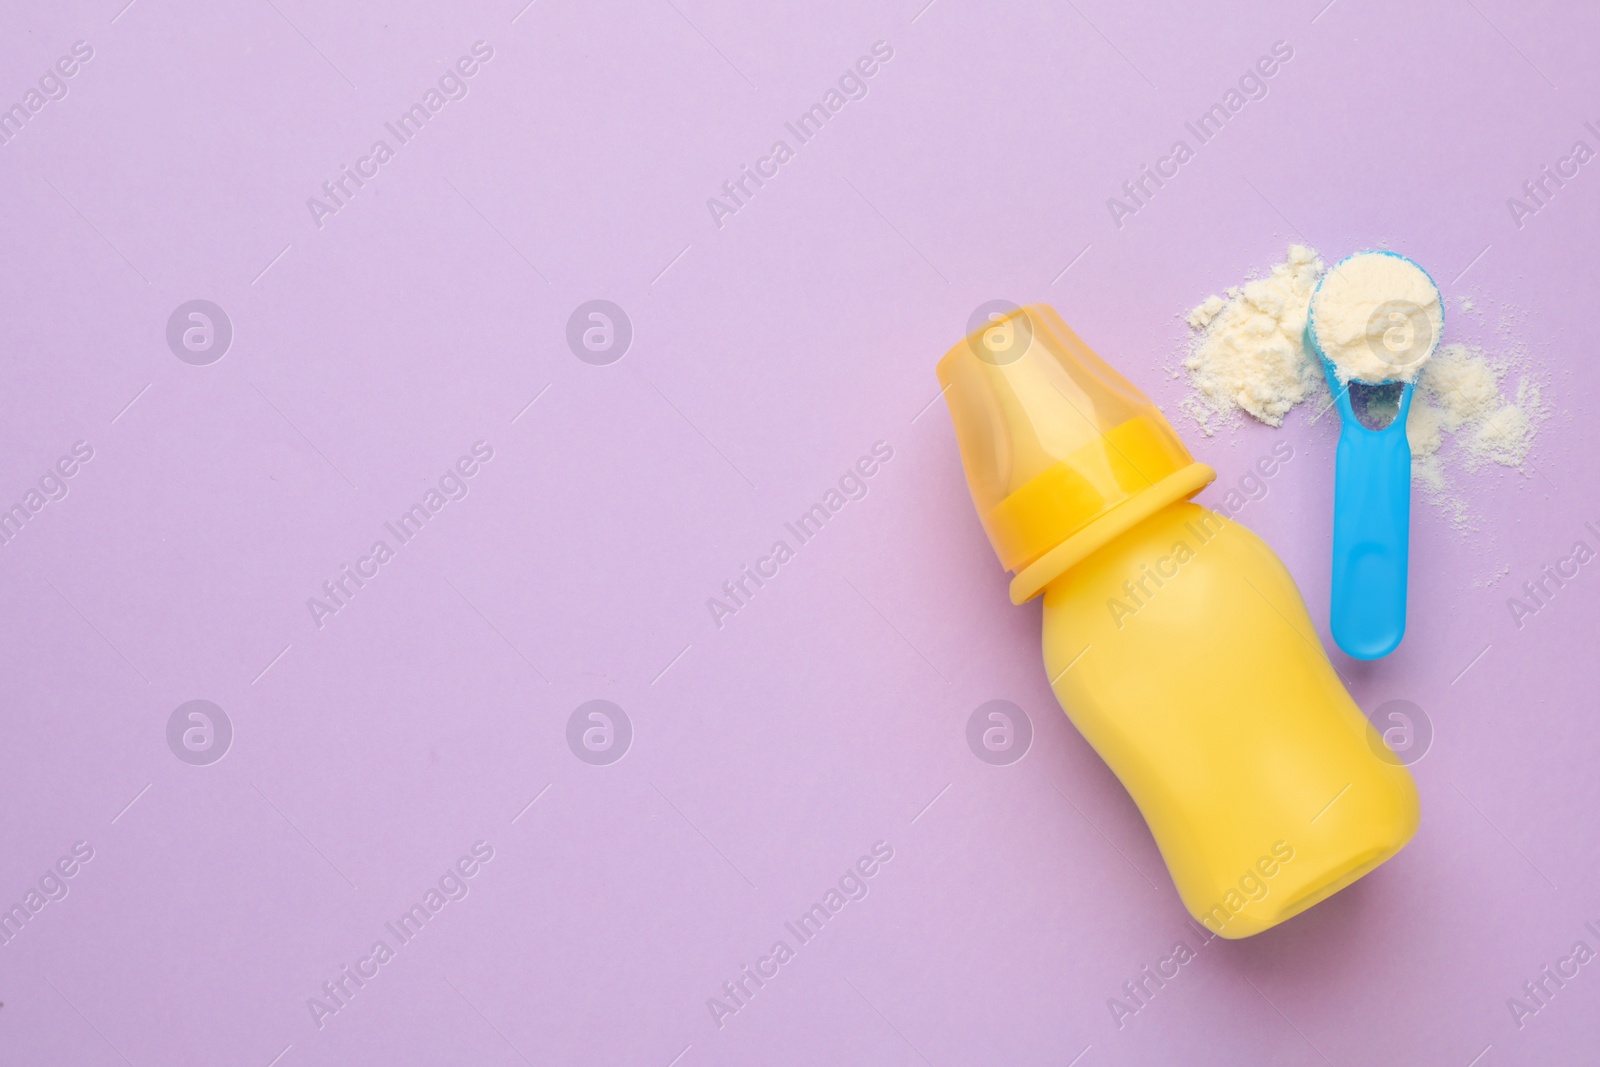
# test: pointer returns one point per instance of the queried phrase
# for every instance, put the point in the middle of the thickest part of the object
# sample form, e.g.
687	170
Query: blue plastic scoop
1372	473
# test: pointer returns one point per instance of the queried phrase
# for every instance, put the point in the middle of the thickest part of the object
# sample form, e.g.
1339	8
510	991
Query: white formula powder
1247	355
1459	394
1377	317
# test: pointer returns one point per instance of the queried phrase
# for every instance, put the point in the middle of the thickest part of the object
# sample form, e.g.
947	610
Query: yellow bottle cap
1062	453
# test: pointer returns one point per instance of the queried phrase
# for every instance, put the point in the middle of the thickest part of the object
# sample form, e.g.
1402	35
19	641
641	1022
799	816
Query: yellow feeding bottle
1174	638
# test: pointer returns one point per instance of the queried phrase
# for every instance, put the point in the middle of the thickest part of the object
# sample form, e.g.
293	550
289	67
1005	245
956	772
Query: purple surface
768	354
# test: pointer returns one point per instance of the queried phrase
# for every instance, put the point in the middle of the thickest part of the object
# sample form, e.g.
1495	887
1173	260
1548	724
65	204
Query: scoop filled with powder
1377	317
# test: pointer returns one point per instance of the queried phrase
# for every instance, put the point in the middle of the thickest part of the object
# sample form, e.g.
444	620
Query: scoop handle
1371	539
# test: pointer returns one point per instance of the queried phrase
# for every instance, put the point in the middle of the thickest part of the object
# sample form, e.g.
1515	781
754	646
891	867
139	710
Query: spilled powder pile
1459	393
1247	354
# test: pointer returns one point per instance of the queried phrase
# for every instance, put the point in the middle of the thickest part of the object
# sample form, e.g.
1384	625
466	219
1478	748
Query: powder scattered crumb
1485	583
1247	354
1459	393
1462	384
1506	437
1201	316
1425	432
1465	304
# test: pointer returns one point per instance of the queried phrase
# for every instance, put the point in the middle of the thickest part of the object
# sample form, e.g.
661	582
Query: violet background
768	355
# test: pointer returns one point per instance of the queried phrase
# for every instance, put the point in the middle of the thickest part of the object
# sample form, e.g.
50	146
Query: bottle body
1183	652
